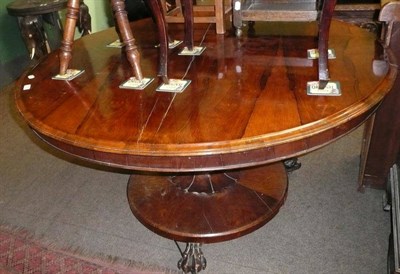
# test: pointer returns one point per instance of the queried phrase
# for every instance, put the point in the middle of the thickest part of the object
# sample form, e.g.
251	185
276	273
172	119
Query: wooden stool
126	36
291	11
31	16
122	27
202	13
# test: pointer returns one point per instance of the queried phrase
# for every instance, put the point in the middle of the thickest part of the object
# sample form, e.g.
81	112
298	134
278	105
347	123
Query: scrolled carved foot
291	164
193	260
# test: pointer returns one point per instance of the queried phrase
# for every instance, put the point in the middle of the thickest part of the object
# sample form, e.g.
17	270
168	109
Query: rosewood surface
246	105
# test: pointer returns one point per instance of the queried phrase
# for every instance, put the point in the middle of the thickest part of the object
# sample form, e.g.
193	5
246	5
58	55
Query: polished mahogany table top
246	104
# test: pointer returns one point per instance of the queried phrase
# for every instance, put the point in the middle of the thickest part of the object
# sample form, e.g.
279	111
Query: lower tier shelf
208	207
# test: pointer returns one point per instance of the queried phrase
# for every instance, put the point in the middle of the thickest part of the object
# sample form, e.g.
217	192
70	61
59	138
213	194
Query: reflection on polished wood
246	105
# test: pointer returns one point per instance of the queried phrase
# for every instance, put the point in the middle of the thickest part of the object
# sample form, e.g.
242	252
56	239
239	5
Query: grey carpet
325	226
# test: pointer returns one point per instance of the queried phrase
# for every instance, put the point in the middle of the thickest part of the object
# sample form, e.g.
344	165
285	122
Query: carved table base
207	207
193	259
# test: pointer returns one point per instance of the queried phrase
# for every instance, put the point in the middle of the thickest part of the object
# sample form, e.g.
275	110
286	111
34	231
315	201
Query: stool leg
323	37
69	30
158	15
219	16
132	53
188	17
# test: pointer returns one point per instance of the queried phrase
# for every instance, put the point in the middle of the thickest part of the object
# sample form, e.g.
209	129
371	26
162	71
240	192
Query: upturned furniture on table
126	36
291	11
215	12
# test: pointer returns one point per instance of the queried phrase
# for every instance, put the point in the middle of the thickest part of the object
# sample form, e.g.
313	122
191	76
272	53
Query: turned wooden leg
158	16
132	53
164	10
323	38
188	17
68	38
219	16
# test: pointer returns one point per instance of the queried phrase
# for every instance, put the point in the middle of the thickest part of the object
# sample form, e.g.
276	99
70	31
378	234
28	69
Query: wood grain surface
246	104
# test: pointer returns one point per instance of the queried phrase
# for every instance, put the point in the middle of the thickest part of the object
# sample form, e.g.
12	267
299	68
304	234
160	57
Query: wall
10	41
13	54
12	48
100	11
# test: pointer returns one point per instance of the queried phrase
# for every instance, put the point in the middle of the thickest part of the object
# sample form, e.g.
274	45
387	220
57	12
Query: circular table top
35	7
246	104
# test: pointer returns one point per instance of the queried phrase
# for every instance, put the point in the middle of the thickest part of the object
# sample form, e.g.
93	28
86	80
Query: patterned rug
21	253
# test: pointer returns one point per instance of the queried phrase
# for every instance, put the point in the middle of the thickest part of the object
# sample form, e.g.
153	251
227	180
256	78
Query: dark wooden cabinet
381	141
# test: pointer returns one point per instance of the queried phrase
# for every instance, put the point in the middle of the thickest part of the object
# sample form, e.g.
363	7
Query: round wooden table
206	163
